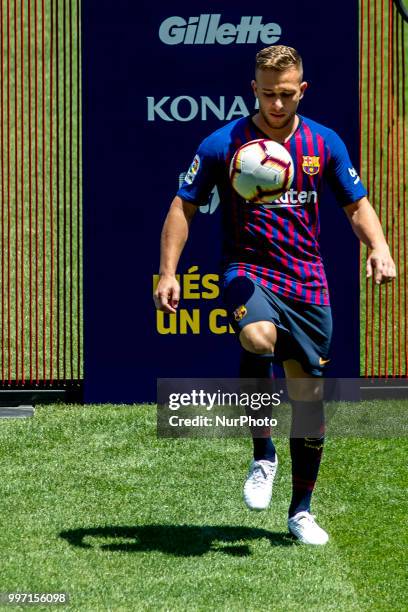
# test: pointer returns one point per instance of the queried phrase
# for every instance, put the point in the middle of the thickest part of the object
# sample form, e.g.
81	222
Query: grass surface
95	505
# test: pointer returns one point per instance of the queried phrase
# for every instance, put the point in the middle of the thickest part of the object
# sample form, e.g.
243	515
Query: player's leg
305	356
306	447
251	317
259	338
258	342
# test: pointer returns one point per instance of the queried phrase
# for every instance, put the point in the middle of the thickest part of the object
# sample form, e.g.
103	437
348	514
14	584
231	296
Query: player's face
279	94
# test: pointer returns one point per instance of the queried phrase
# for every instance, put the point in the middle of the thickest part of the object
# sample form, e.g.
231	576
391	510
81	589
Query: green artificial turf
93	504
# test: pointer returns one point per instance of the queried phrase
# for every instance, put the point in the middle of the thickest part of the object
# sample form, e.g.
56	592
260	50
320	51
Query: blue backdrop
157	78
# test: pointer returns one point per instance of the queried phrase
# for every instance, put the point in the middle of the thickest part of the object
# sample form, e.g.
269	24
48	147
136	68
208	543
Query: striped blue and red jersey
275	244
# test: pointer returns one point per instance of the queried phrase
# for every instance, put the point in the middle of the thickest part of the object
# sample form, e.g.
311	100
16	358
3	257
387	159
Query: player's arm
367	227
195	190
352	196
173	238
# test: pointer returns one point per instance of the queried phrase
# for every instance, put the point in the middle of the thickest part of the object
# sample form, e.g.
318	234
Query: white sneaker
304	527
258	485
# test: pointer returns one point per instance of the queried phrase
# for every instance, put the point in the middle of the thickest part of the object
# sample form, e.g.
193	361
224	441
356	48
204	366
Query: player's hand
167	294
381	266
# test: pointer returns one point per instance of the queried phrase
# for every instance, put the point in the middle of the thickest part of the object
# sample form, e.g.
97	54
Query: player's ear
254	87
303	86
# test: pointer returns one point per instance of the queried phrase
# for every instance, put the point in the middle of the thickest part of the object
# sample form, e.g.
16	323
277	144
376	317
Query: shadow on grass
177	540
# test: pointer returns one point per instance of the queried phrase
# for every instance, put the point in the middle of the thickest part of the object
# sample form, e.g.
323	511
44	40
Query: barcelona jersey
275	244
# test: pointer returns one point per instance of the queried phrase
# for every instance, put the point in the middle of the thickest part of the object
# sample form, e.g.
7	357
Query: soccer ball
261	170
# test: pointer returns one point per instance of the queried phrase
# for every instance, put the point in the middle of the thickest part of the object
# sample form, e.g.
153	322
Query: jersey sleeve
202	175
340	172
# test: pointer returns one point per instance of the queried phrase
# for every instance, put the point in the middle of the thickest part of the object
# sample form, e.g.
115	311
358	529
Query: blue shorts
304	330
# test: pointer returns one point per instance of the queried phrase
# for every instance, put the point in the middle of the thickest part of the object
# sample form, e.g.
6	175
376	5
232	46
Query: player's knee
309	390
302	386
305	389
259	337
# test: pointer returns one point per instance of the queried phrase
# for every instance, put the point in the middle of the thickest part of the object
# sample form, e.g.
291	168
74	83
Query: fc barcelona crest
239	313
311	164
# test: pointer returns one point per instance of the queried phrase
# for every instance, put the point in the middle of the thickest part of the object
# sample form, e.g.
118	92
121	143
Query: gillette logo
207	30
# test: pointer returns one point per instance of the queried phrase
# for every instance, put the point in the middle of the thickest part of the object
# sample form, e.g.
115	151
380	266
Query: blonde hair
280	58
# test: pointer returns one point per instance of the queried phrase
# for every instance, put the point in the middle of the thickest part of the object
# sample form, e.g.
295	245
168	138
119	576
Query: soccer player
274	283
